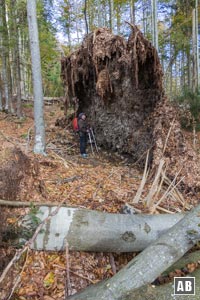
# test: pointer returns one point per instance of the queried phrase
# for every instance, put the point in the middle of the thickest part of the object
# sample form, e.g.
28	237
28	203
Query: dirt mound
18	175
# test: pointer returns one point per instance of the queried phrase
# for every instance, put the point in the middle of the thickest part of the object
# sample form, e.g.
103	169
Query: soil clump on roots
118	84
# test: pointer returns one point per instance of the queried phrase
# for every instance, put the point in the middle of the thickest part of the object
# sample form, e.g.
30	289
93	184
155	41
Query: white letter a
180	286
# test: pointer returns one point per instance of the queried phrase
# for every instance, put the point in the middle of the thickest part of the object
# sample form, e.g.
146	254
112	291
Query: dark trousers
83	142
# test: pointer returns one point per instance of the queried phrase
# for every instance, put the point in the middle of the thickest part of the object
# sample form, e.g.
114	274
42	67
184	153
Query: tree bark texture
150	263
16	56
165	292
154	23
4	54
87	230
39	146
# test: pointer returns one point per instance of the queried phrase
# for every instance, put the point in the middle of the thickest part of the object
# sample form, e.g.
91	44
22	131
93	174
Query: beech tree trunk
150	263
1	104
39	146
164	292
4	54
16	56
154	23
87	230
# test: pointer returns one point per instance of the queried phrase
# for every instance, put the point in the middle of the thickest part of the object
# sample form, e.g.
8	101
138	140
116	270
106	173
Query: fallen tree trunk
150	263
87	230
165	292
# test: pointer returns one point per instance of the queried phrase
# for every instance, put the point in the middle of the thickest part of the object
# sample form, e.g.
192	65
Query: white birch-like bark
39	146
150	263
87	230
154	23
195	47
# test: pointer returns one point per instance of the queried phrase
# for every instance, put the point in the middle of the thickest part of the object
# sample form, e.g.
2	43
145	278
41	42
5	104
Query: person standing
83	128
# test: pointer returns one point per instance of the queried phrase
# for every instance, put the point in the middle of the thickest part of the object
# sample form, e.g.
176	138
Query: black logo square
184	285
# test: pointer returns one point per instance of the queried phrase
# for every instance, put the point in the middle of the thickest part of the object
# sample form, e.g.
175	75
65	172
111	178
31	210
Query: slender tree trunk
195	47
16	57
85	16
118	14
111	14
39	146
150	263
77	25
1	103
197	39
165	291
154	24
99	13
132	11
189	76
4	40
24	64
143	19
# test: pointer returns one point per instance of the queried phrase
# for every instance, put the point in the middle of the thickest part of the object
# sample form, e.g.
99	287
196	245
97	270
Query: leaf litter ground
102	182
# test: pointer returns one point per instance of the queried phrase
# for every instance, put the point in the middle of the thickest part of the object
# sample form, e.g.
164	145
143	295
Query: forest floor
104	181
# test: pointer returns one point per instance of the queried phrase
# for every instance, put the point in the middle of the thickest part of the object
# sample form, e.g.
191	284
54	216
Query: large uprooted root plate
118	84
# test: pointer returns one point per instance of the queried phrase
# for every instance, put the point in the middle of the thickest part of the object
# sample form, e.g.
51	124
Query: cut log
87	230
150	263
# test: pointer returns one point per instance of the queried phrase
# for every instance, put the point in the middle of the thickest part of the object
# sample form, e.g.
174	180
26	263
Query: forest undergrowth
104	182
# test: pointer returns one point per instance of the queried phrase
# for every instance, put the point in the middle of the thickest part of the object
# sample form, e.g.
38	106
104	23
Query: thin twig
36	204
149	198
31	241
168	134
178	195
74	273
81	276
161	183
67	276
6	138
142	184
17	256
17	280
61	158
168	190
